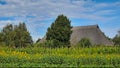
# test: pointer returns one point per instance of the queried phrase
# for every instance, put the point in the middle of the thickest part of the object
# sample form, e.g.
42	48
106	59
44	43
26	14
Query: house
92	32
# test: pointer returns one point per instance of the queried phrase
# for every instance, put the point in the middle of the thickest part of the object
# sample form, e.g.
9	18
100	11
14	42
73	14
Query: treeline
15	36
58	35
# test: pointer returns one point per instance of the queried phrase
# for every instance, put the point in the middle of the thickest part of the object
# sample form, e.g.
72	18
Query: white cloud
34	11
3	23
45	9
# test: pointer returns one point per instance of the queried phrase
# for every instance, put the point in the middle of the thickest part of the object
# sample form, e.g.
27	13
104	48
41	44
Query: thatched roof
92	32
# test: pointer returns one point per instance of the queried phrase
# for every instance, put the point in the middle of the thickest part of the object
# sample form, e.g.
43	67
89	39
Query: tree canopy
116	39
60	31
15	36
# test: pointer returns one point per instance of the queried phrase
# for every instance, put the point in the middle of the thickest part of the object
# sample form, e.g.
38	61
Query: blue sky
39	14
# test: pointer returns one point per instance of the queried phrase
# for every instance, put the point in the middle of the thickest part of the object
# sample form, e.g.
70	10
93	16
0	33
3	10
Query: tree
16	36
116	39
60	31
7	34
22	36
1	37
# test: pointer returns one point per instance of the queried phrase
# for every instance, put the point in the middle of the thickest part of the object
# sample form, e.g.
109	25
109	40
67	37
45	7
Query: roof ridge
88	26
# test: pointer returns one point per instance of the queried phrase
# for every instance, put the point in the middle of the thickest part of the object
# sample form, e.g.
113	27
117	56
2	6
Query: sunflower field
60	57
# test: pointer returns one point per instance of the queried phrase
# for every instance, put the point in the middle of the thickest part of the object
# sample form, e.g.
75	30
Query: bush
84	42
38	44
52	43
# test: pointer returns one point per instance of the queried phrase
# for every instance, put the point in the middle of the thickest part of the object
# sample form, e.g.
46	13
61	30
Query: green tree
22	36
1	37
16	36
7	34
60	31
116	39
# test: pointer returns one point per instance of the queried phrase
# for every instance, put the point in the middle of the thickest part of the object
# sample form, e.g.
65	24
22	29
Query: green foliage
22	36
53	43
84	42
16	36
59	31
116	40
7	34
48	44
38	44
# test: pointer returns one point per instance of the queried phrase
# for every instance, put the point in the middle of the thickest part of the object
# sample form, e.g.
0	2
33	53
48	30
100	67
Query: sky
39	14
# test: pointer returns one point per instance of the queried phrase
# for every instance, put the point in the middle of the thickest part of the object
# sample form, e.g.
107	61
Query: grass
60	57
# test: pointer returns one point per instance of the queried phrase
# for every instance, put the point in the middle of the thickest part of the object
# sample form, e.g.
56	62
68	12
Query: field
60	57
